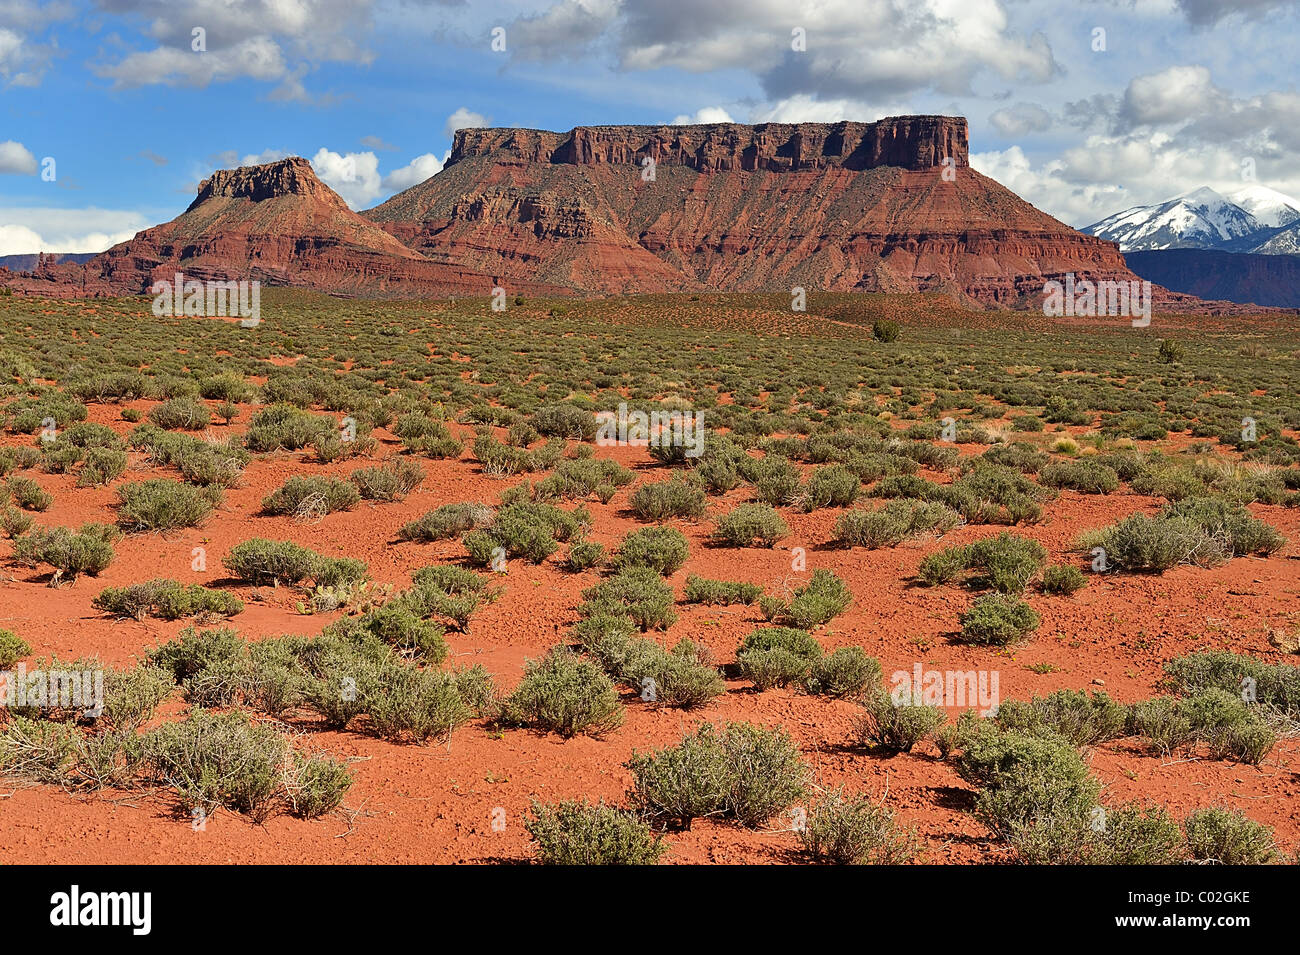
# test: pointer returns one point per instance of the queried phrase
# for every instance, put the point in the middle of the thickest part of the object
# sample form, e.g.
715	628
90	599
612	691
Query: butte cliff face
887	206
277	224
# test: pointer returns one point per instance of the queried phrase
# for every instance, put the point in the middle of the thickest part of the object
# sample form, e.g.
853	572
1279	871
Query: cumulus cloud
16	158
868	49
1175	94
27	230
703	116
807	109
414	172
272	42
354	176
1021	119
464	118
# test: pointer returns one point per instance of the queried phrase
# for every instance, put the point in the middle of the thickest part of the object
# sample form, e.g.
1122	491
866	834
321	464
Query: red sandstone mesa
891	206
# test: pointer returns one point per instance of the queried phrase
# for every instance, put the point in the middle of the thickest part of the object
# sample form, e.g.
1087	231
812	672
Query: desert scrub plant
584	555
577	833
397	626
449	520
750	525
776	480
885	330
565	693
841	830
996	620
416	704
777	656
88	550
1197	530
565	421
14	521
577	478
683	677
893	523
1086	475
262	561
740	771
284	427
311	498
218	760
846	671
29	495
1219	719
391	481
40	750
830	486
166	599
1063	580
529	529
676	497
184	414
1276	685
703	590
896	727
101	466
815	604
637	593
663	549
160	504
1227	837
315	785
1005	563
12	648
1071	714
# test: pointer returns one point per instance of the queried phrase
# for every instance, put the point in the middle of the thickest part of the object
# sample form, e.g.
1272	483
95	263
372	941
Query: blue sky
1174	94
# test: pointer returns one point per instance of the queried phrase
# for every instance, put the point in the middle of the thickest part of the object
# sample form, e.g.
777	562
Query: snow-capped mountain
1202	219
1270	208
1283	242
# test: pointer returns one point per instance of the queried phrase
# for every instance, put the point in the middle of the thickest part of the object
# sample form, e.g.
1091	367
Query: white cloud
15	158
464	118
703	116
413	173
354	176
1173	95
803	108
27	230
1021	119
258	58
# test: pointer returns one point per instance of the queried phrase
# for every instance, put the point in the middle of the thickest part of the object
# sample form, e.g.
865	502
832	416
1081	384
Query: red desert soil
435	803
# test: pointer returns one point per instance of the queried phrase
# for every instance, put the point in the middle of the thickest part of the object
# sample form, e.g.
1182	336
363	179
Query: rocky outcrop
835	206
277	224
909	142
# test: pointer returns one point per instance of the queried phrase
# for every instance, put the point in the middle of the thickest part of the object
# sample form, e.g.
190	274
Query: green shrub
1201	531
1086	475
996	620
317	785
284	427
777	656
566	694
823	598
1227	837
311	497
1006	563
162	505
1063	580
416	704
1071	714
218	760
831	486
776	481
896	727
389	482
167	599
663	549
262	561
12	648
637	593
847	671
892	524
1275	685
102	466
29	495
584	555
844	831
750	525
676	497
884	330
186	414
684	677
575	833
449	520
71	553
741	771
702	590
